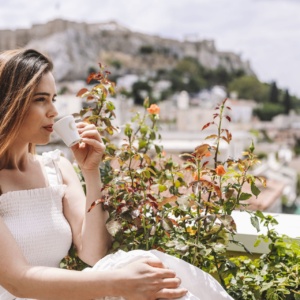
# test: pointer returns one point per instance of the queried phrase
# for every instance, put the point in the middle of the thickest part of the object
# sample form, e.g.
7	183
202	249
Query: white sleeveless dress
35	218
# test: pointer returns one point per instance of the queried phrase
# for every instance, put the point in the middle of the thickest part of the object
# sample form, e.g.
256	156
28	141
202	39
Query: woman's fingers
84	128
154	262
90	136
171	283
171	293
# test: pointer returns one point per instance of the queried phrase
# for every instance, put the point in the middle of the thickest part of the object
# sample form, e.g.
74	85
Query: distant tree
146	49
249	87
221	76
268	110
274	93
141	90
287	103
188	75
116	64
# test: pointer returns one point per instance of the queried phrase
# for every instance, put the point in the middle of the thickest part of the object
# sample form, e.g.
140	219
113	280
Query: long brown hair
20	73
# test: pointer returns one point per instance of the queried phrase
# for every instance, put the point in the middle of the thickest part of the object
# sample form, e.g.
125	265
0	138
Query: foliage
189	75
287	102
267	111
274	93
146	49
272	276
141	90
184	206
72	261
249	87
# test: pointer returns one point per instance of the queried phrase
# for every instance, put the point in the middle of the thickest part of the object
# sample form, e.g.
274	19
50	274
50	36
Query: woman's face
38	122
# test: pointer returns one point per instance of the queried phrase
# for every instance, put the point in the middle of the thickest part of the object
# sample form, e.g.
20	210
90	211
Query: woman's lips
48	128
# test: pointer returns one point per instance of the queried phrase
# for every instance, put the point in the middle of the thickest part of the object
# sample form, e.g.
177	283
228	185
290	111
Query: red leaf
228	118
204	164
96	202
206	125
90	98
90	77
81	92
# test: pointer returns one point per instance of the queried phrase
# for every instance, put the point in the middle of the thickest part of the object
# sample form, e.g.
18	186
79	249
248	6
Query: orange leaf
218	191
90	77
212	136
167	200
201	151
96	202
89	98
81	92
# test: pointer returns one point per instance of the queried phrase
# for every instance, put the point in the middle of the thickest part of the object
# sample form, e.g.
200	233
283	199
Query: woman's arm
90	236
142	280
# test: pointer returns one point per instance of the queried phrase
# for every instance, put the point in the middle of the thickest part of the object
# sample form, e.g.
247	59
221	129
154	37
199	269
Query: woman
43	207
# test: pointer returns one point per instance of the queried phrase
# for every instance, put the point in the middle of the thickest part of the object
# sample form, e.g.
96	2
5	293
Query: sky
264	32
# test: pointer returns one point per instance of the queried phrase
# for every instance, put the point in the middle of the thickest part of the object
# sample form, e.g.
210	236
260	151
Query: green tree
188	75
146	49
287	103
141	90
268	110
221	76
274	93
249	87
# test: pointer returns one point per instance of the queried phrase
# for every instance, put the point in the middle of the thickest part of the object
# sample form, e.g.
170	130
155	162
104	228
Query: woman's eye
40	99
54	100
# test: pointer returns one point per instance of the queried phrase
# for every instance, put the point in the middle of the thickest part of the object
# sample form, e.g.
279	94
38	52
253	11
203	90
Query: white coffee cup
67	130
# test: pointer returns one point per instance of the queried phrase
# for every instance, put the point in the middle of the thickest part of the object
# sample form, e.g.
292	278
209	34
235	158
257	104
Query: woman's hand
149	279
89	152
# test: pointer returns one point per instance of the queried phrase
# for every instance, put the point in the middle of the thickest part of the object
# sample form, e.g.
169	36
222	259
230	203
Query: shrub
183	207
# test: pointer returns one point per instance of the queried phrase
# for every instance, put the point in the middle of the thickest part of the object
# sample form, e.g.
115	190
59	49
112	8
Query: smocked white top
36	220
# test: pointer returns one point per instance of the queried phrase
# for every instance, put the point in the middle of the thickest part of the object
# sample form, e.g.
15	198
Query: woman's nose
52	113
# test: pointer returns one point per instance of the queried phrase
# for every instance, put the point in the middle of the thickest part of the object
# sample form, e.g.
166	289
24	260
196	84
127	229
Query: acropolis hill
77	47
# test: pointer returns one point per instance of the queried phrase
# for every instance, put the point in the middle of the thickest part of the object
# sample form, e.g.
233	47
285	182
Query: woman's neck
17	159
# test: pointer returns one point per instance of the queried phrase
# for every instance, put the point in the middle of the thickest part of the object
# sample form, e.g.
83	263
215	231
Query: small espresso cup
67	130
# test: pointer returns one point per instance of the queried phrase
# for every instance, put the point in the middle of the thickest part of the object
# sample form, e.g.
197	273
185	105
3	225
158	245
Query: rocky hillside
76	48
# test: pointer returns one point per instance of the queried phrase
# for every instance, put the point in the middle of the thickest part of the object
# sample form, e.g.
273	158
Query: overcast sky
265	32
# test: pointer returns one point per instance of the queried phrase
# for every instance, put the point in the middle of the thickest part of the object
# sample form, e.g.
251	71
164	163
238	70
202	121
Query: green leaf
144	129
260	214
166	224
110	106
158	149
177	183
257	243
255	222
244	196
128	130
142	144
254	189
162	188
152	135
